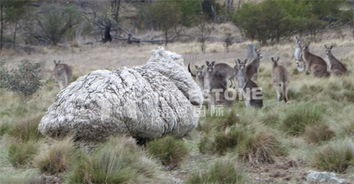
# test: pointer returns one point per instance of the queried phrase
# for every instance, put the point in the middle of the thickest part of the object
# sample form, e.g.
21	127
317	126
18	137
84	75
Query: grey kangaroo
280	80
252	94
314	64
62	74
336	67
253	67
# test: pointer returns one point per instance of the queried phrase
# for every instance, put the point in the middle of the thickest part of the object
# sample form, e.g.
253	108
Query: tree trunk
2	26
15	34
166	38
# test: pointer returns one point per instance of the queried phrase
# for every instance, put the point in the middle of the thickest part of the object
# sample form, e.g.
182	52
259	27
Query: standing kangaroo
199	75
253	67
314	63
62	74
336	67
280	80
251	92
300	65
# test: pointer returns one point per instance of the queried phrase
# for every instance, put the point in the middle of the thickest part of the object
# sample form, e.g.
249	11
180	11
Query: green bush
335	156
223	171
20	153
169	150
56	158
26	130
24	80
119	160
298	116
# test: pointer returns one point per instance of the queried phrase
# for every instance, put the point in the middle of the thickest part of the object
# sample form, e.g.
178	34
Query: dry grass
55	158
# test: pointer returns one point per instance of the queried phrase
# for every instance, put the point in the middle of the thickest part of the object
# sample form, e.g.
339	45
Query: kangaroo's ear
213	63
202	67
55	62
272	58
331	47
207	63
325	46
245	61
196	66
238	61
59	61
278	58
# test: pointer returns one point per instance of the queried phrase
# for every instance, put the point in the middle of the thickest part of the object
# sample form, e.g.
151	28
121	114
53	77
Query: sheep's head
172	66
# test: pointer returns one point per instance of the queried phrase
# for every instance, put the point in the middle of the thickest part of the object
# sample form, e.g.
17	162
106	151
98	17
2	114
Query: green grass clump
56	158
119	160
318	133
169	150
222	171
26	130
297	117
20	154
260	147
335	156
4	128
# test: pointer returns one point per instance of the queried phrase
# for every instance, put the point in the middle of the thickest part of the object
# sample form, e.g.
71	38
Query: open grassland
276	144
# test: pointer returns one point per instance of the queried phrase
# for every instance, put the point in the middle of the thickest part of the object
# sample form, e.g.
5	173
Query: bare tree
205	30
229	5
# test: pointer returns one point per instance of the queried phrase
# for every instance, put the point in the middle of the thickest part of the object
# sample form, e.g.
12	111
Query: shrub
24	80
4	128
260	147
298	116
56	158
229	139
318	133
119	160
21	154
26	130
206	144
169	150
336	156
222	171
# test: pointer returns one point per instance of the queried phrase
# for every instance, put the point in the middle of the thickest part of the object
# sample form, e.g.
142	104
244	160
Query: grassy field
276	144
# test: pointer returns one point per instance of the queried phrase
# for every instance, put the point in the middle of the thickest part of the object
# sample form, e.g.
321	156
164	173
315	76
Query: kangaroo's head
210	66
275	61
240	70
56	63
200	71
259	55
306	47
298	42
328	49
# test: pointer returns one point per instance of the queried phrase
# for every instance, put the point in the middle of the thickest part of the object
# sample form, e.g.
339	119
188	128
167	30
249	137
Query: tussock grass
21	154
56	158
335	156
260	147
318	133
26	130
222	171
119	160
298	116
169	150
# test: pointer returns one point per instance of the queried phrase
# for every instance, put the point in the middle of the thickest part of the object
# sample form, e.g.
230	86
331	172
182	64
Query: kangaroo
300	65
251	93
62	74
253	66
336	67
216	80
280	80
314	63
199	74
